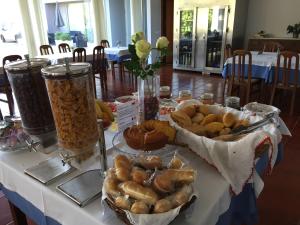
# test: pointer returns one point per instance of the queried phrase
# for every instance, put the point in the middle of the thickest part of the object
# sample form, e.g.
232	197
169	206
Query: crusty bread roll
139	175
229	119
209	119
225	131
181	118
123	202
150	162
204	110
197	129
162	205
139	192
198	118
111	186
122	167
214	127
139	207
189	110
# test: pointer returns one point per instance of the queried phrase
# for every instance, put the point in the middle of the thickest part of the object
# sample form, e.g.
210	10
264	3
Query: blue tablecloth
242	210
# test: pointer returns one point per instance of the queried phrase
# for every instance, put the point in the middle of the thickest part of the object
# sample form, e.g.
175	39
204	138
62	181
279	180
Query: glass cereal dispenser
30	92
71	93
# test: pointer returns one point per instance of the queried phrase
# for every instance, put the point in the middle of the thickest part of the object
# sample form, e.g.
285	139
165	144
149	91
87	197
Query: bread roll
162	205
214	127
111	173
209	119
229	119
150	162
163	183
139	175
198	118
175	163
139	207
122	167
139	192
123	202
181	118
225	131
111	186
197	129
182	196
204	109
189	110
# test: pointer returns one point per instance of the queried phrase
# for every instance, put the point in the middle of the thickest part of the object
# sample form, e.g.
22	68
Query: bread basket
121	214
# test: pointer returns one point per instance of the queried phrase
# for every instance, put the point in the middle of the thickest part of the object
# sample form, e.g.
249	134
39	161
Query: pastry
122	167
176	163
209	119
197	129
150	162
139	192
139	207
123	202
189	110
111	186
198	118
204	109
139	175
162	205
181	118
134	137
225	131
229	119
154	140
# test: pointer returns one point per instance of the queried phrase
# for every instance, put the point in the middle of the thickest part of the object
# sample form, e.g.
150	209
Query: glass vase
148	97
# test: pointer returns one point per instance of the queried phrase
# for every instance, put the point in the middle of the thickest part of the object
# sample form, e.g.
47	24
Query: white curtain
136	16
28	30
38	12
100	27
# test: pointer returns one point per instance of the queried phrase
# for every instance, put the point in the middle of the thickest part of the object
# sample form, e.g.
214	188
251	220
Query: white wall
272	16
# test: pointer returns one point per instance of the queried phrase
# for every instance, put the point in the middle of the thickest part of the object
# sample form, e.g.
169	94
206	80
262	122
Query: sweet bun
123	202
198	118
139	207
150	162
209	119
122	167
139	175
139	192
122	174
214	127
189	110
204	109
176	163
111	186
181	118
229	119
162	205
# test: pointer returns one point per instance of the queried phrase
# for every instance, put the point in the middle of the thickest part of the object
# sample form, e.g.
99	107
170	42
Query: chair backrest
46	50
289	76
272	46
79	55
241	71
105	43
228	51
6	59
99	63
64	47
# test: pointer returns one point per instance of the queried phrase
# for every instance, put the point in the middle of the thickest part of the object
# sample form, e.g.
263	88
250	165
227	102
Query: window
12	38
69	22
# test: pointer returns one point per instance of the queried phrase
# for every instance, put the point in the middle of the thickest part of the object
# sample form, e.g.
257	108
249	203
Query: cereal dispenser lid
61	71
22	65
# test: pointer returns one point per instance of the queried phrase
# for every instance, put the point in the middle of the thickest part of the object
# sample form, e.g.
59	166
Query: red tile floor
279	203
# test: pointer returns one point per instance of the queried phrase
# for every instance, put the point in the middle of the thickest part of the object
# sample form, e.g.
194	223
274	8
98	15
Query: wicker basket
122	215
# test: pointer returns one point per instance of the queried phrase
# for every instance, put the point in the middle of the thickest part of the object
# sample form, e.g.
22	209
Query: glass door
216	37
186	37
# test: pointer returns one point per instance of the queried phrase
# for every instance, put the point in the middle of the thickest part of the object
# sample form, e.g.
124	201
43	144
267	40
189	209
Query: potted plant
147	76
295	30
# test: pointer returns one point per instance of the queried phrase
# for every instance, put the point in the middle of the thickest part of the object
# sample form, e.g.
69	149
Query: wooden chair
46	50
240	77
272	46
99	67
105	43
79	55
64	47
5	86
286	81
227	54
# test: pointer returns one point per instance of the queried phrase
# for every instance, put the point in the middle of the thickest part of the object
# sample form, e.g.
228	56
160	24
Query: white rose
162	42
142	48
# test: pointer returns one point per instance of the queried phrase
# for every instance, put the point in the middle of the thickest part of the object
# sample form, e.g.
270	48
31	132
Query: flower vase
148	98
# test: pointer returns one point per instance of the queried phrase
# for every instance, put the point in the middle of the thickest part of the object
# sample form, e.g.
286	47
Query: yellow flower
137	37
142	48
162	42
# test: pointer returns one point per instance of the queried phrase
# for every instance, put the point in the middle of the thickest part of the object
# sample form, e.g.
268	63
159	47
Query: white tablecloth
214	196
118	51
